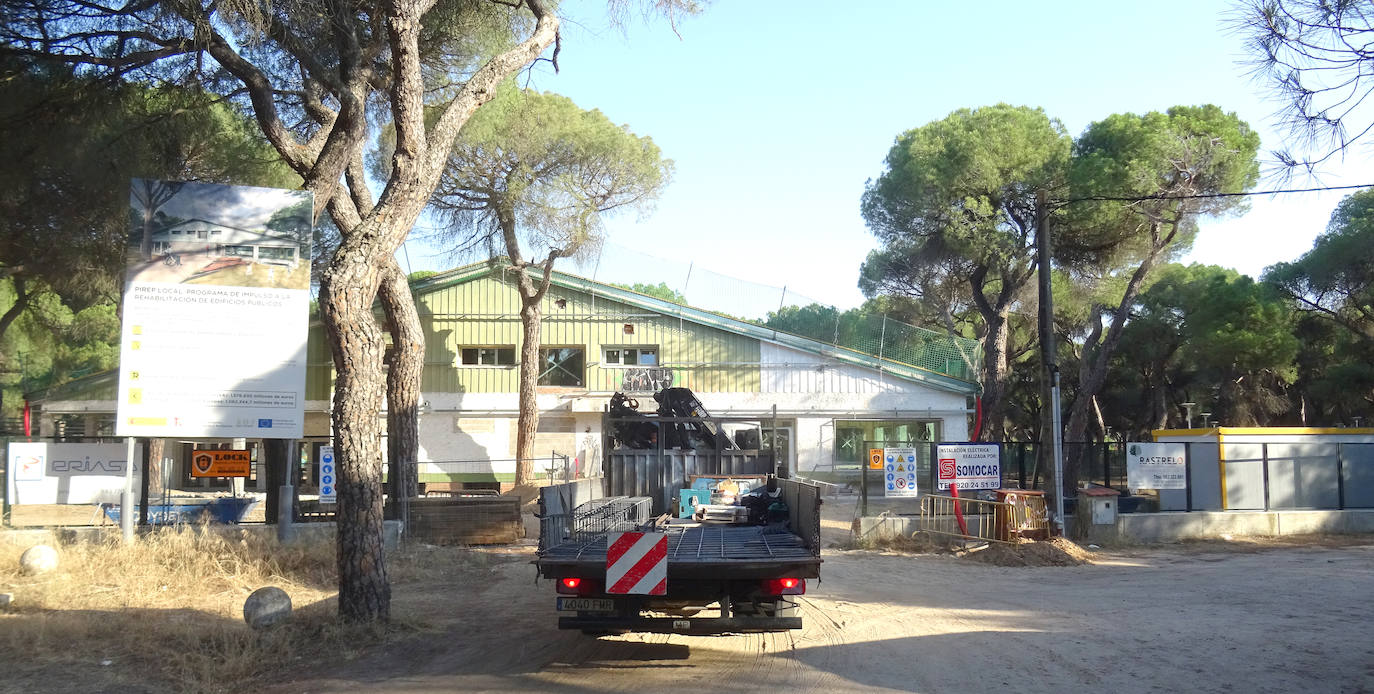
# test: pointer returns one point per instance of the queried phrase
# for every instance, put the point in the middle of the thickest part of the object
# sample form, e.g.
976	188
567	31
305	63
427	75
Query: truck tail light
785	586
575	585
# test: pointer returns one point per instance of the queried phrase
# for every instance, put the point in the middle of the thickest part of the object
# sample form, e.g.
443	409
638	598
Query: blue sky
777	112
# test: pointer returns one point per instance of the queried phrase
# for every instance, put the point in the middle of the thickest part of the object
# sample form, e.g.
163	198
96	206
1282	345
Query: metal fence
442	475
592	519
1229	476
789	309
804	513
1014	516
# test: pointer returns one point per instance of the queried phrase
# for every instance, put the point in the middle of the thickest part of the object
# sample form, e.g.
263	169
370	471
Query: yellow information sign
875	459
221	464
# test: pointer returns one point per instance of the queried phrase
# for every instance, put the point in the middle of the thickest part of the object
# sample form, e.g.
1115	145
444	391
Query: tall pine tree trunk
1092	372
528	423
403	381
157	449
346	294
997	373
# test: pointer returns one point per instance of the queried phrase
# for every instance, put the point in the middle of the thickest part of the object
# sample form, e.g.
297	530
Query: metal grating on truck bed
705	544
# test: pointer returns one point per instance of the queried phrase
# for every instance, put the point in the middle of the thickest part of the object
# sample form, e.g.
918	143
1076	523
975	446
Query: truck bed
701	551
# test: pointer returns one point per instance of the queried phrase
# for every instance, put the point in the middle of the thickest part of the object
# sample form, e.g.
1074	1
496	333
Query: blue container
227	510
689	499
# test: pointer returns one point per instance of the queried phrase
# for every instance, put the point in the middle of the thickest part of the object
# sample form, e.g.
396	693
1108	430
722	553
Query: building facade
824	405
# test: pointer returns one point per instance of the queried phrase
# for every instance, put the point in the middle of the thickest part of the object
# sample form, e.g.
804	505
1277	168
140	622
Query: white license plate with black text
586	605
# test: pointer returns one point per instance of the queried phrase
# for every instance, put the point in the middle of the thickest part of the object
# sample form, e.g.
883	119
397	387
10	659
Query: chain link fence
788	310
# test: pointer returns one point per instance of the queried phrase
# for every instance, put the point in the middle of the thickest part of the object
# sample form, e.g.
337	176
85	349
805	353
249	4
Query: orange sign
875	459
221	464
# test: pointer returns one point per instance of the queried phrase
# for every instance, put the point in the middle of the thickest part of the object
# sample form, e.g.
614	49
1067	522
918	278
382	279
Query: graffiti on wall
650	380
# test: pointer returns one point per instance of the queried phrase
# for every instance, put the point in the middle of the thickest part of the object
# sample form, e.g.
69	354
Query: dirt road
1177	619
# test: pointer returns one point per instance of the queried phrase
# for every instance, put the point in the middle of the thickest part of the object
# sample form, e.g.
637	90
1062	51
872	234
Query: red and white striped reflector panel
637	564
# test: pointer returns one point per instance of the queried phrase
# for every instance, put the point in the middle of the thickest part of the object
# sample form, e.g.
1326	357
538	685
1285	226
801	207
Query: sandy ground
1197	618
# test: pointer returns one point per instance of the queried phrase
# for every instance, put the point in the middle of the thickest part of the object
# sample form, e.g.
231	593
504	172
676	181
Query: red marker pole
958	512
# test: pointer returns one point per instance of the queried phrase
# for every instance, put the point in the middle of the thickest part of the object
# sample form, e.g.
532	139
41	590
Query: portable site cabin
1273	468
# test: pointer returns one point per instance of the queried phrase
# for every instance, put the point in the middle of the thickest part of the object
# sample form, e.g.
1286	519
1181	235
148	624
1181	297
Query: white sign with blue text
329	476
899	472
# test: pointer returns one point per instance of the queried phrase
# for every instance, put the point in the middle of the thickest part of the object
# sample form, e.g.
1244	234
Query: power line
1199	196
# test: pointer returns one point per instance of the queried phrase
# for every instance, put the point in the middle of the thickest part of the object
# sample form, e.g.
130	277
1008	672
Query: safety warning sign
899	466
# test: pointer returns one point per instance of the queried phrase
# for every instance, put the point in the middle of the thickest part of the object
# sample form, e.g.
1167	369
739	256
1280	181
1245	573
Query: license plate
586	605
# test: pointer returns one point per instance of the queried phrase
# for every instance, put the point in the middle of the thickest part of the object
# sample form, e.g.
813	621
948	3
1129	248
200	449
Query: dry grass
166	614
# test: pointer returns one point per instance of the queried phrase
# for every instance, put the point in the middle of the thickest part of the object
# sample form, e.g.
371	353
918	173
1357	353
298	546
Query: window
486	356
202	234
270	253
629	356
562	366
853	438
848	444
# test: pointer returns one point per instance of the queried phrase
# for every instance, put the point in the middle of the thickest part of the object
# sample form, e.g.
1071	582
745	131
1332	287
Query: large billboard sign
969	466
216	305
69	473
1156	466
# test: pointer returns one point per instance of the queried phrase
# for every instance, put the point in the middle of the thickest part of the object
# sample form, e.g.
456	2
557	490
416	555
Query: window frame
514	354
637	349
543	372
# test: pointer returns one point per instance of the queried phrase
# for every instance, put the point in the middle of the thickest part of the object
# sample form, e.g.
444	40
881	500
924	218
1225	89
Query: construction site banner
968	465
216	309
68	473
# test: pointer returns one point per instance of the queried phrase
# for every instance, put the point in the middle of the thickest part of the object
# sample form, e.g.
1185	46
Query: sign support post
126	501
286	498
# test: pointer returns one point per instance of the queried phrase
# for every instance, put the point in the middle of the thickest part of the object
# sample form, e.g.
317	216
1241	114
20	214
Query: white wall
805	388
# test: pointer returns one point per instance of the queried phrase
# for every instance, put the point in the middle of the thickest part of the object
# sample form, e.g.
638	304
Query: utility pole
1047	349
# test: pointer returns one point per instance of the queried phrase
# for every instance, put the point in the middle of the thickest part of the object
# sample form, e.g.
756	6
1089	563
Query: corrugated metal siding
319	365
485	312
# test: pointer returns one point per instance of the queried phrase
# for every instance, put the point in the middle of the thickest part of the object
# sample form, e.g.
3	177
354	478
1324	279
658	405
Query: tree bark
403	381
528	423
1092	372
156	450
275	453
995	382
346	295
368	239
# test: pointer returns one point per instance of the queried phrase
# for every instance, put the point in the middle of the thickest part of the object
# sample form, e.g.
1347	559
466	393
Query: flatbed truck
721	578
